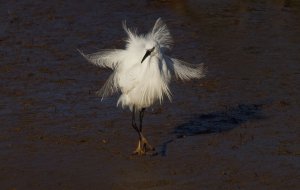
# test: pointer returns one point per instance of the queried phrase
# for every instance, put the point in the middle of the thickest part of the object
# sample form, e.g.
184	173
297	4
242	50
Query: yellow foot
143	147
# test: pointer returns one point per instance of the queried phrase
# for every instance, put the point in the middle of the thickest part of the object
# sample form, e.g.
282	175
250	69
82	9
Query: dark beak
148	52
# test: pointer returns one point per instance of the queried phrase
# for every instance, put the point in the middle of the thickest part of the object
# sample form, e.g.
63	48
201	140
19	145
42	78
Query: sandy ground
236	129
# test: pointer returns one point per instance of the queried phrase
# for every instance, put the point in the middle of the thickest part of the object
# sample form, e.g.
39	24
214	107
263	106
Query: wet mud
236	129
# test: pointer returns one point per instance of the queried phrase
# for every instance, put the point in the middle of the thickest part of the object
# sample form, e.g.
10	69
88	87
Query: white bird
142	73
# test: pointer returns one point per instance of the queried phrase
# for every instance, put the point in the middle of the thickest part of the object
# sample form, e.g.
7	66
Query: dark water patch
220	121
214	122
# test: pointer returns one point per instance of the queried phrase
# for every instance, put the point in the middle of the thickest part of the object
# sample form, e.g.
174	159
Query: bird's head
152	44
151	49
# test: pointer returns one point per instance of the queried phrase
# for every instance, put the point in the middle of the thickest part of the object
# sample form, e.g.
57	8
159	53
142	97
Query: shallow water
237	128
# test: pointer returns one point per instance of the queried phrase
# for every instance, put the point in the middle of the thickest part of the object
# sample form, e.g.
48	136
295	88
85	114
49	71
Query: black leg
133	120
143	145
141	118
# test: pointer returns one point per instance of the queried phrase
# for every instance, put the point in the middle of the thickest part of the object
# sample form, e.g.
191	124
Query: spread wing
109	88
109	58
184	70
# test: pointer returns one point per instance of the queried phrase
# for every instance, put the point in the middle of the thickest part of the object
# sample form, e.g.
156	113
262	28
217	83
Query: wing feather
161	33
109	88
109	58
184	70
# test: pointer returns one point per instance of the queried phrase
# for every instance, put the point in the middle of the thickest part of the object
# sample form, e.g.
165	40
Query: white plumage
142	72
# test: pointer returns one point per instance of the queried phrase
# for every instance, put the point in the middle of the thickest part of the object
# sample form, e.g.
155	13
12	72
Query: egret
142	73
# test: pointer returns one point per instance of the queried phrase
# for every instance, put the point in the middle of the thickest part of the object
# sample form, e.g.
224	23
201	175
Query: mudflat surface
236	129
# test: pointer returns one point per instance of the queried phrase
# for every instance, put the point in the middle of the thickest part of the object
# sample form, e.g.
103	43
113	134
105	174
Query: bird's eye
150	50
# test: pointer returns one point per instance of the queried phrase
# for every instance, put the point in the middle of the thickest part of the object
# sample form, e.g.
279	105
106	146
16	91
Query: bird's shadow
215	122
